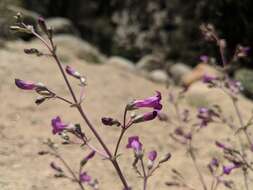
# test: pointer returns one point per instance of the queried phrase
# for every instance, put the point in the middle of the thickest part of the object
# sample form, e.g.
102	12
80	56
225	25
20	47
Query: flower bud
84	177
88	157
145	117
42	24
55	167
165	158
25	85
110	121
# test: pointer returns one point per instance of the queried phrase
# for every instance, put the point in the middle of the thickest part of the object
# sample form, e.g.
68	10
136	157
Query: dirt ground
24	126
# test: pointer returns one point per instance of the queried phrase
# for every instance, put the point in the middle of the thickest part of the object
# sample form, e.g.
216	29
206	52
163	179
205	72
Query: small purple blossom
204	58
151	102
215	162
25	85
228	169
134	143
152	155
208	79
206	116
84	177
72	72
58	125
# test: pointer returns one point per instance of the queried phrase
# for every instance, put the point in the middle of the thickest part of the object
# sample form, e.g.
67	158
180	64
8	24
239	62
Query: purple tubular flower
228	169
84	177
134	143
152	155
151	102
25	85
58	125
72	72
208	79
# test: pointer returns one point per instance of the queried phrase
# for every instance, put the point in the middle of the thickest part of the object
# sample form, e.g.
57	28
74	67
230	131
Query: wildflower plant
187	124
72	133
232	157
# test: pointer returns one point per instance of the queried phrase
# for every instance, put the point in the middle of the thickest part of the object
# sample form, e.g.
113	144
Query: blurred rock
149	63
79	48
245	76
62	25
198	72
178	71
121	63
159	76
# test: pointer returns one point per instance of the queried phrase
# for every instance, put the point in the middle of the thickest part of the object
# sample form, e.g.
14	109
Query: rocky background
133	46
162	32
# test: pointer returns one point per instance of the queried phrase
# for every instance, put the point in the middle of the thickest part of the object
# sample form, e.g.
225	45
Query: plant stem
238	113
79	107
245	179
201	178
123	130
119	140
145	177
69	169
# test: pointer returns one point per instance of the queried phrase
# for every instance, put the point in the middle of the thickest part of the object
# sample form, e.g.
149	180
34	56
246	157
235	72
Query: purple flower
215	162
72	72
228	169
25	85
151	102
208	79
206	116
84	177
90	155
204	58
152	155
134	143
58	125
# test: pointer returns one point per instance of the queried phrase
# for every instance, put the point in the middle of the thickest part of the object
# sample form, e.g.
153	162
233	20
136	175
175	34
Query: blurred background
133	28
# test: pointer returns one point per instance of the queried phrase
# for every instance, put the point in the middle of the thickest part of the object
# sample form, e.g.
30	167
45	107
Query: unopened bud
165	158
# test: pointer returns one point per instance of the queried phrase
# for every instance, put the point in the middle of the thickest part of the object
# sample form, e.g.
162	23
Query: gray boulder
150	63
121	63
245	76
178	71
79	48
159	76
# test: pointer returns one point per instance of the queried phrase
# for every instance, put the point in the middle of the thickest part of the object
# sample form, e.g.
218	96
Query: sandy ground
24	126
